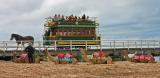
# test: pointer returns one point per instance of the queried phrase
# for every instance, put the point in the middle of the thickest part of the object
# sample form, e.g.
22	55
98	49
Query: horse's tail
32	41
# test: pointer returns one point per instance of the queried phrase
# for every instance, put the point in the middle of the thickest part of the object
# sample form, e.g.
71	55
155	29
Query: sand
81	70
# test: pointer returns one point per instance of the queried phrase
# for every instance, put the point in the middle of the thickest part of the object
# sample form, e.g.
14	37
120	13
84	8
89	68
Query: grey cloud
119	19
15	7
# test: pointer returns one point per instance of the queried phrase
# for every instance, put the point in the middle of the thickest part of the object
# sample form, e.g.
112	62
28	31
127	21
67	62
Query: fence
103	44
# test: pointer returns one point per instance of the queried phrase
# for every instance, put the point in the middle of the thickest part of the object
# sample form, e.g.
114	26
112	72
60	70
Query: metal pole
86	45
123	45
159	44
114	45
128	45
21	46
110	45
101	46
4	50
148	44
55	45
135	44
158	49
71	45
154	44
6	46
3	46
39	46
141	44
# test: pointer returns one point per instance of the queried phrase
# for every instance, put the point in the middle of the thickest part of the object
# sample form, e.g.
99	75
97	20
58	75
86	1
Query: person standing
30	51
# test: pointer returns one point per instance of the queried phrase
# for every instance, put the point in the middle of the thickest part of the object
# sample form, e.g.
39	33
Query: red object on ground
24	56
102	54
96	54
136	57
56	62
60	55
142	57
68	55
148	57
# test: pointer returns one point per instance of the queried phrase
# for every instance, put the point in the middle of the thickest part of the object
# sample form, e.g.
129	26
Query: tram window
64	32
89	32
60	33
78	32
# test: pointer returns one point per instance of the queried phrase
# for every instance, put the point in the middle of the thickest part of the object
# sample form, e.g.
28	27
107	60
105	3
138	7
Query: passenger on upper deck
71	17
63	17
88	18
59	17
55	16
75	18
84	17
67	18
79	18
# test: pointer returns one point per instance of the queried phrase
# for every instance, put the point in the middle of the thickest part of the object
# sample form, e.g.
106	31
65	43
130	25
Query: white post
3	46
39	44
148	43
71	45
110	45
4	50
21	46
135	44
55	45
128	45
123	45
159	44
6	46
154	44
86	45
141	44
114	45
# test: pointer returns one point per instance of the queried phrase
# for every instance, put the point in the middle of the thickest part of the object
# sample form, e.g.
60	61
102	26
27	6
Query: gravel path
50	70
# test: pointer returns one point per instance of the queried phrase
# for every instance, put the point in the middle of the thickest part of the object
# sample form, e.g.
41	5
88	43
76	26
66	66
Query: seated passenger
67	18
63	17
71	17
88	18
75	18
59	17
79	18
55	16
83	17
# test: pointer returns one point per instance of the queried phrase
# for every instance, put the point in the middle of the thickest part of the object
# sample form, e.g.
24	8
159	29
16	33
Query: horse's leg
17	46
22	46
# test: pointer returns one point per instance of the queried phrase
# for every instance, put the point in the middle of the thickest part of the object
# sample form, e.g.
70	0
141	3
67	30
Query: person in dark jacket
30	51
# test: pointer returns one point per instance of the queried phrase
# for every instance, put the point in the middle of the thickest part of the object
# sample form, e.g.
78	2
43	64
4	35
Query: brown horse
22	39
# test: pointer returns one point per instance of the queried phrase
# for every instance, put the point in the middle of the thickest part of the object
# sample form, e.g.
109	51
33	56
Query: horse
22	39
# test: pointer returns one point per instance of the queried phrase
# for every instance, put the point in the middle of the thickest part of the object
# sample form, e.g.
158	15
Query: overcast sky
119	19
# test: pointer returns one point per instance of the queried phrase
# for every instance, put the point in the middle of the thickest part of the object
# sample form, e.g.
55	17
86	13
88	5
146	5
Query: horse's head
12	36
